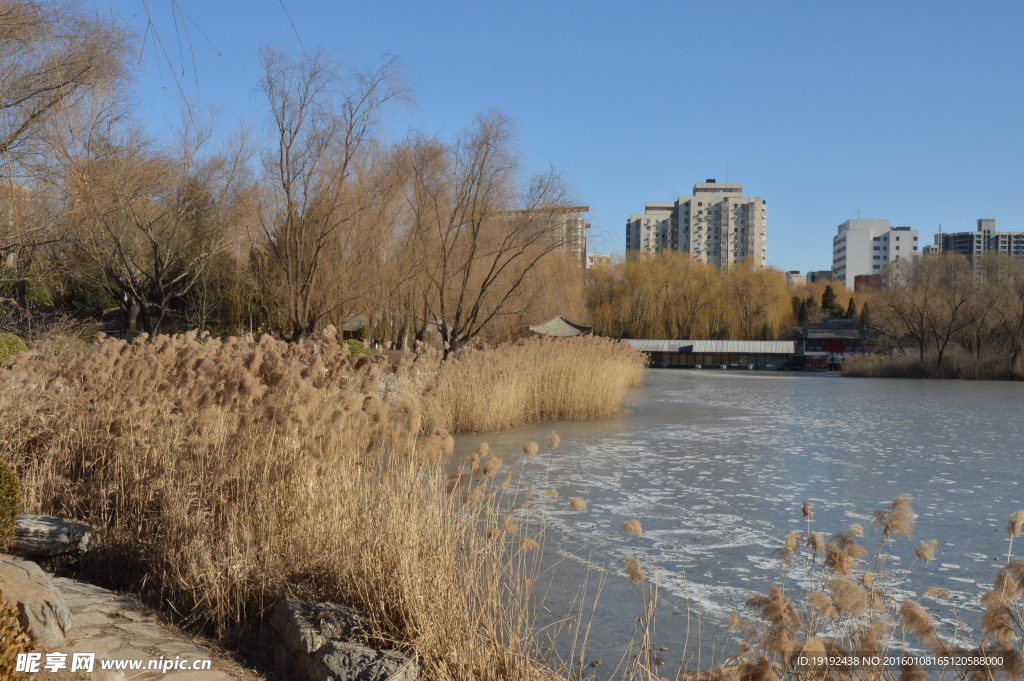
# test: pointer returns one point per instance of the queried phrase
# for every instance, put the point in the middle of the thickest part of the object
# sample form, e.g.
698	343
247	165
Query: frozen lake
715	465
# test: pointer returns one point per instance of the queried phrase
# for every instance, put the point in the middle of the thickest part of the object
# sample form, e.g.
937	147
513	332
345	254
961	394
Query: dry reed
634	571
956	363
578	503
537	379
224	475
633	527
553	441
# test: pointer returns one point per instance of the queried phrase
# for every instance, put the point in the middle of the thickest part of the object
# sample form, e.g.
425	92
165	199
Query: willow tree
319	179
481	233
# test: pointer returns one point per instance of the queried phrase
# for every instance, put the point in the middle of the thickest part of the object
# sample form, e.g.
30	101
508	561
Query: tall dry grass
533	380
955	364
224	475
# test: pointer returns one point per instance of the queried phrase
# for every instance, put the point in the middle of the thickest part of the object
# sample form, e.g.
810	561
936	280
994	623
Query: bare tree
51	54
480	236
931	300
151	222
323	124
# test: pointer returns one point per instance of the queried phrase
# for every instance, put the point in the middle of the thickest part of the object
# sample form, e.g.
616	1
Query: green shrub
63	348
356	347
11	345
10	503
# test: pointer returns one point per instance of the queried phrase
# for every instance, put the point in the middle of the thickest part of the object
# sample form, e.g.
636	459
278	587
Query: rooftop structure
560	326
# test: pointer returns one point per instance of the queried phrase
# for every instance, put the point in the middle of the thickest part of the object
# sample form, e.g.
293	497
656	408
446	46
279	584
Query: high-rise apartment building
865	246
984	239
717	225
568	230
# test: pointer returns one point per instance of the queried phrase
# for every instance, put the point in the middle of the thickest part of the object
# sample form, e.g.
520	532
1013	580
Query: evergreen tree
851	310
801	313
865	316
830	303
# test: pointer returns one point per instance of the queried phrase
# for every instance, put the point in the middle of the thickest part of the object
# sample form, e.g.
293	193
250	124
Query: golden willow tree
320	180
670	295
482	236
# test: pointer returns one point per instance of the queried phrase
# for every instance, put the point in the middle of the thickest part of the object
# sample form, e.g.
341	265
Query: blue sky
910	111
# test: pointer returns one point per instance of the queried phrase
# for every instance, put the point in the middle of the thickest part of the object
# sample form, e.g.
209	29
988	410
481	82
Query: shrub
64	348
356	347
10	503
11	345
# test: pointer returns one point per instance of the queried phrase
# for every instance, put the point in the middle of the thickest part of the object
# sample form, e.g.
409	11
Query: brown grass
955	364
224	477
537	379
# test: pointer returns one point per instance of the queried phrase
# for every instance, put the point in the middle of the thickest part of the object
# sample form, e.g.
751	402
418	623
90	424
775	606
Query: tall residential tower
865	246
717	225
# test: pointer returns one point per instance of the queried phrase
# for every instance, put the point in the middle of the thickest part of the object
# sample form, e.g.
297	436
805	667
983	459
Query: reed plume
789	548
913	617
527	544
491	467
482	450
848	597
578	503
926	550
553	493
898	518
1013	528
531	449
633	527
821	604
634	571
553	440
936	592
806	510
838	560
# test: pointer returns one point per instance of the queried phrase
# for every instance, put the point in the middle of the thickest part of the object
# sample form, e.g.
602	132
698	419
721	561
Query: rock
343	661
40	605
305	628
315	642
44	535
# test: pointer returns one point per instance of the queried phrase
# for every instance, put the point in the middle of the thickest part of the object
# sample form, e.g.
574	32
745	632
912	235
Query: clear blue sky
910	111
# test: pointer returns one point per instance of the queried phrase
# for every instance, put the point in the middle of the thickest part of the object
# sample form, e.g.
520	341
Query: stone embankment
322	642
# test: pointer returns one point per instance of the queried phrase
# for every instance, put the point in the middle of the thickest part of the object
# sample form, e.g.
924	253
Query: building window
877	267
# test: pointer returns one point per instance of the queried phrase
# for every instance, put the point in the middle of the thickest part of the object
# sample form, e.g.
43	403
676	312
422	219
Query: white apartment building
717	225
865	246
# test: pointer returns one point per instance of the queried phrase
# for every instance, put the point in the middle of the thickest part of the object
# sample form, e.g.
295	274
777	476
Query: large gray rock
306	628
342	661
45	535
40	605
326	642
